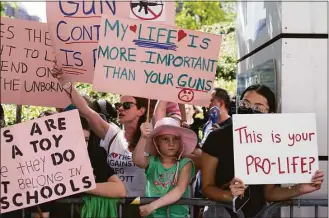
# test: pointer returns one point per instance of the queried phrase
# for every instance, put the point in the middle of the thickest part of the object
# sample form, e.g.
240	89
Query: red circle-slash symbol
146	10
186	95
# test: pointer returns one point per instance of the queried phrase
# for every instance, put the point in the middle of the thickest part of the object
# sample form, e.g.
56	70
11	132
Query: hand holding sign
57	73
237	187
317	181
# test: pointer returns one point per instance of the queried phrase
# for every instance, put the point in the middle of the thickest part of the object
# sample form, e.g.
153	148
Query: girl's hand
146	129
146	209
185	125
237	187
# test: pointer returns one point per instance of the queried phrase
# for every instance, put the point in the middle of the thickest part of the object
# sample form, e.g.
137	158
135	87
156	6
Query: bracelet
66	86
294	188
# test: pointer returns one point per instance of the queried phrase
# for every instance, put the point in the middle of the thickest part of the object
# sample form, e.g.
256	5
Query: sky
36	8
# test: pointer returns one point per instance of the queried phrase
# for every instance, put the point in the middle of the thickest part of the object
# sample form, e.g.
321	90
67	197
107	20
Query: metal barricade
270	211
273	209
182	201
144	200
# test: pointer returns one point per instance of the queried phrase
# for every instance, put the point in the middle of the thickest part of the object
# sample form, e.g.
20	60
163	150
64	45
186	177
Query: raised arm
159	111
139	158
182	112
174	195
113	188
98	125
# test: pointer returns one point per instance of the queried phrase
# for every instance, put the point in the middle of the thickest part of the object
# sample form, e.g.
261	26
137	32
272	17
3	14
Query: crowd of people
164	152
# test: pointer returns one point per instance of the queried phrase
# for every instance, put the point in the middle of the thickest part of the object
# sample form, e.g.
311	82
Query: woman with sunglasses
118	143
218	182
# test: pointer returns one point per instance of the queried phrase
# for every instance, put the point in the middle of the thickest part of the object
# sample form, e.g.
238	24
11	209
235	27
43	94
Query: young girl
168	173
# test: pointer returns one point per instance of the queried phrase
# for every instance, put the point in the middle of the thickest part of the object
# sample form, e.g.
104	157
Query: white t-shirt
120	159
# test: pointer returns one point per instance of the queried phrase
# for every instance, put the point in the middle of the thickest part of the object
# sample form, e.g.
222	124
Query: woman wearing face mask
218	182
118	143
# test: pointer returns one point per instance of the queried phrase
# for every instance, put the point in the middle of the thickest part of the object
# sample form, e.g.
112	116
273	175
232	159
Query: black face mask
244	110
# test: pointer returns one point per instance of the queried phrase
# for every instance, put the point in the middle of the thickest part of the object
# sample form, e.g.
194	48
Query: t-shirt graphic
120	159
160	182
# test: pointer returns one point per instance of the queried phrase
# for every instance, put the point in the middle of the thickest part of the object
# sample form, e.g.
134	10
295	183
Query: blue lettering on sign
116	26
76	56
78	33
120	73
153	77
71	8
197	84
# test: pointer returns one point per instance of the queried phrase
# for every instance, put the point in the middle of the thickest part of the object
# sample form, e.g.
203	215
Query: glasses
246	104
125	105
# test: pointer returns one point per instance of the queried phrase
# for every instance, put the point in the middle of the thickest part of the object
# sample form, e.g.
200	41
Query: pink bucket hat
168	125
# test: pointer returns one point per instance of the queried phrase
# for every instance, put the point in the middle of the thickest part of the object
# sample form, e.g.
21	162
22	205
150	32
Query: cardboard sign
43	160
275	148
156	61
26	62
75	27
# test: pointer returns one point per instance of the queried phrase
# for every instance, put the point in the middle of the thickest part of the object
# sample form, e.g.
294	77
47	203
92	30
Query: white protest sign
275	148
43	160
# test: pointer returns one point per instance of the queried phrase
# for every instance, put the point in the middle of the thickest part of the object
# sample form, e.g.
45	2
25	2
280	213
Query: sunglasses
125	105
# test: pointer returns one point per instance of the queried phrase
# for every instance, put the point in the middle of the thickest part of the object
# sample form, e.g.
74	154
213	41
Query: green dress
160	182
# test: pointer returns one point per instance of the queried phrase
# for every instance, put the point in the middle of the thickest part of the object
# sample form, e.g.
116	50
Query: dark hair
264	91
104	107
85	123
223	95
140	103
47	113
87	99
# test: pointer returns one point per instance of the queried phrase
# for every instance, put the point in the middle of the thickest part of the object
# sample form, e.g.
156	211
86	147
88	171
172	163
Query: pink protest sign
43	160
26	62
75	27
156	61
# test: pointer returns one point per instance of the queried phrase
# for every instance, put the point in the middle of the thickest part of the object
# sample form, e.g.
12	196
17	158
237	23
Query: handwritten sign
43	160
26	61
275	148
75	27
156	61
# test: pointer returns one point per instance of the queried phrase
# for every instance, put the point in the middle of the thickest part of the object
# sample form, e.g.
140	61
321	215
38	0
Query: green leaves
194	15
216	18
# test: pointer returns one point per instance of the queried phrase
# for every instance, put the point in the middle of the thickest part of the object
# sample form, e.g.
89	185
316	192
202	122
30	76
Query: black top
219	144
98	159
197	125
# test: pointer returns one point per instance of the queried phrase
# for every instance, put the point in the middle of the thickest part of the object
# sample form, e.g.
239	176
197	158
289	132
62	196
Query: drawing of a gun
145	5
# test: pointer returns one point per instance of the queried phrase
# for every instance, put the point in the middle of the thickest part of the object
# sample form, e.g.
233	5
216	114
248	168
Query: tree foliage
3	7
217	18
194	15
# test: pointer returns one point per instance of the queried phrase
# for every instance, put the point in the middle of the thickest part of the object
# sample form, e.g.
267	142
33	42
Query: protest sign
275	148
75	26
43	160
26	62
156	61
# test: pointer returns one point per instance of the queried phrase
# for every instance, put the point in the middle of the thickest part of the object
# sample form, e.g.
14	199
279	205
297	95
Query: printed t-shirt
120	159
